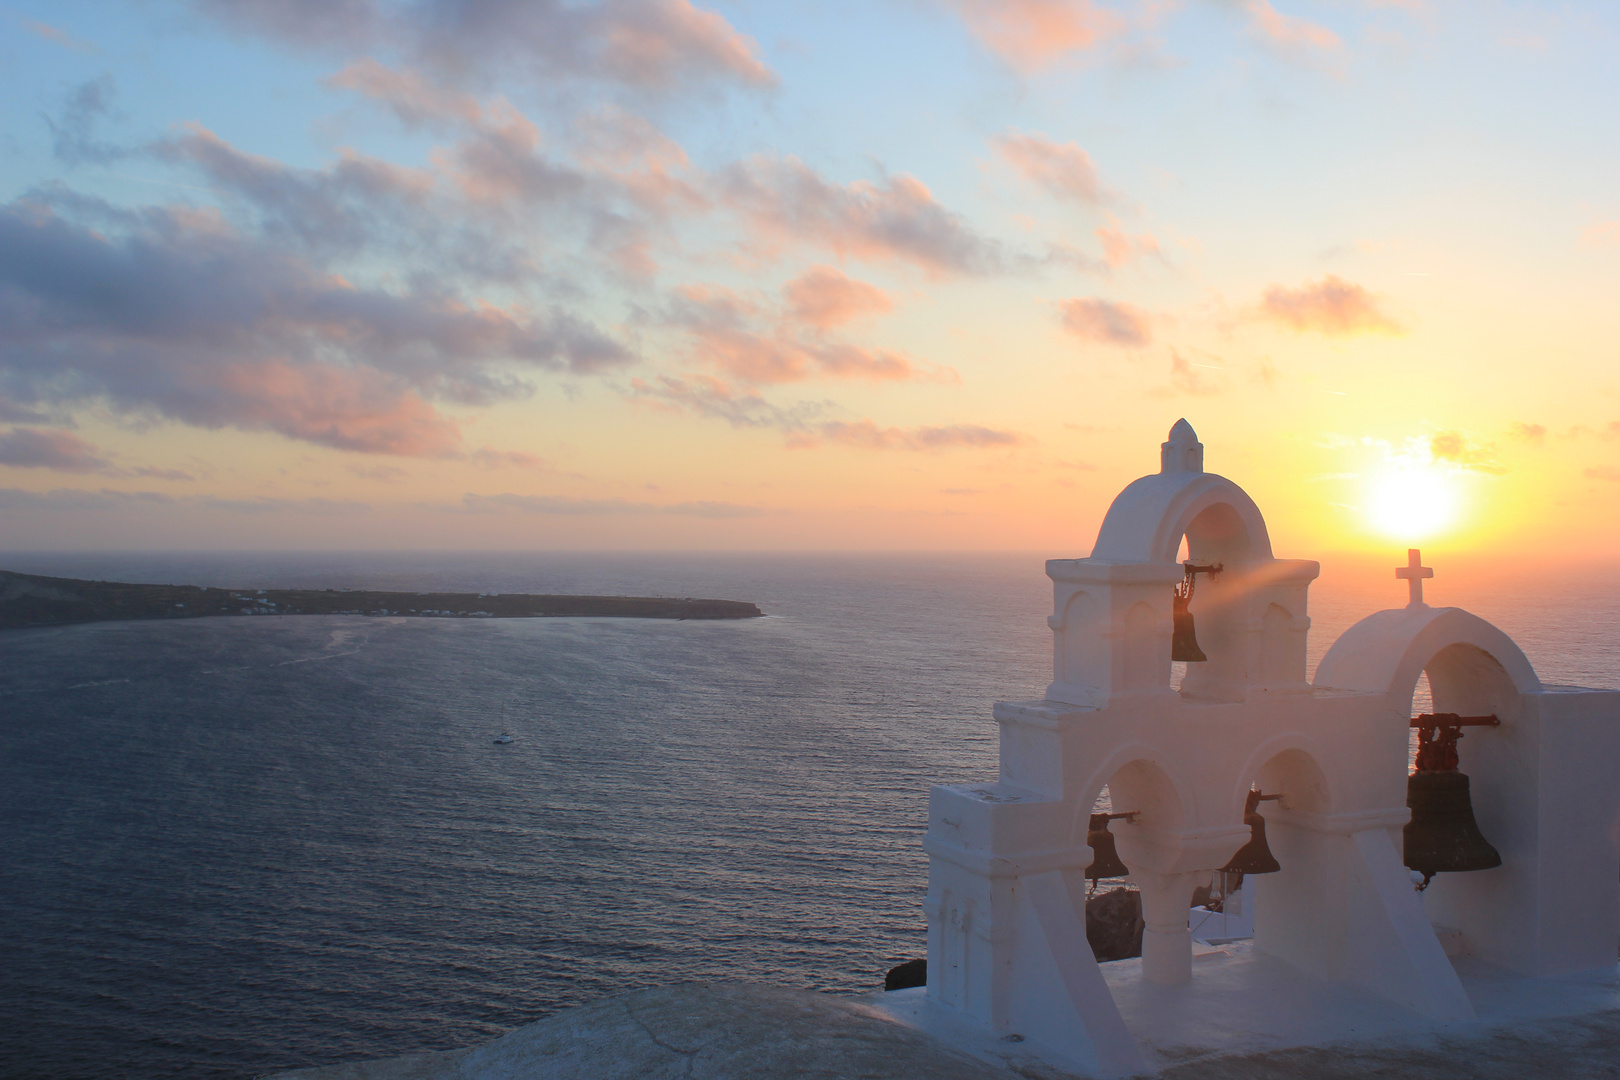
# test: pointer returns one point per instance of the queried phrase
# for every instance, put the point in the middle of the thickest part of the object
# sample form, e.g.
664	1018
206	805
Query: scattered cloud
486	458
1033	34
155	473
1062	170
108	499
803	424
57	36
650	45
1534	434
1289	35
759	345
1119	248
703	395
866	435
1188	377
386	474
1454	447
895	219
1332	307
550	504
176	315
1107	322
824	297
73	125
61	451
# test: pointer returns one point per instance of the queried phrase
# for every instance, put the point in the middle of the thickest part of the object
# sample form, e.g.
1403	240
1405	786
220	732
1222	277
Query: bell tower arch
1250	617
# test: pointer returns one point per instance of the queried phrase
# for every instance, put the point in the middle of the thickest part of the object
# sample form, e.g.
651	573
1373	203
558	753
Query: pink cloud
1033	34
824	297
416	100
1288	33
1061	169
1107	322
1119	248
1332	307
360	410
487	458
726	332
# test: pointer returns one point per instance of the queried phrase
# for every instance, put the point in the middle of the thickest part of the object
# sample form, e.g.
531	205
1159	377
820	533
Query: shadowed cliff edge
30	600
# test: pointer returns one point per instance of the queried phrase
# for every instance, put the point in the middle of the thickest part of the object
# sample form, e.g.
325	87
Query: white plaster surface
1342	942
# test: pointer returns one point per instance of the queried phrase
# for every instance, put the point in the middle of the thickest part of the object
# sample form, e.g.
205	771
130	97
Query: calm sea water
235	845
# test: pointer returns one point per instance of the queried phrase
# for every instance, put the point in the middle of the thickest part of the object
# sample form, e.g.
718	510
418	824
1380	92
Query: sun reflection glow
1413	503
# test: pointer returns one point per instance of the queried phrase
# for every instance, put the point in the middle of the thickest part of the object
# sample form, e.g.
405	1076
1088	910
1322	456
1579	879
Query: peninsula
31	600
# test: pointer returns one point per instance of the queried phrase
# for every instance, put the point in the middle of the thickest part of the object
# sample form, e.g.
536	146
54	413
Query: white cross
1414	573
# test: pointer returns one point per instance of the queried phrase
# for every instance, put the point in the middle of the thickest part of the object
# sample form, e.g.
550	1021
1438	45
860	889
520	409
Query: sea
230	846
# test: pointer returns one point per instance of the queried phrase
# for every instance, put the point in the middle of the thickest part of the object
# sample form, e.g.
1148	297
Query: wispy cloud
652	45
1062	170
895	219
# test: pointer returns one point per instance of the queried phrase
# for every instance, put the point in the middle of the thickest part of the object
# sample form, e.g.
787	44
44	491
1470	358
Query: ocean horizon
233	845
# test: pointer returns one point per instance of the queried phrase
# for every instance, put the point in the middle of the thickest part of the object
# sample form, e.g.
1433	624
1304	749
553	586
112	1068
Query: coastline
32	600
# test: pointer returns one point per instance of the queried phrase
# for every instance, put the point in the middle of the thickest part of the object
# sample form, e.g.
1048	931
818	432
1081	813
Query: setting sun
1413	503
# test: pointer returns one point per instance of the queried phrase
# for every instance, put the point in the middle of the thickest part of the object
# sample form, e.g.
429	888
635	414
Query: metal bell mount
1183	642
1255	857
1443	836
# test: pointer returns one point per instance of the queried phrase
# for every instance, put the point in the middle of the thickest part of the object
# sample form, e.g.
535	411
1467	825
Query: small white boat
506	737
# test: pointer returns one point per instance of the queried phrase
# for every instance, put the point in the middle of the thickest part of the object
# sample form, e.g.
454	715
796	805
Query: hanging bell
1255	857
1443	836
1105	862
1183	642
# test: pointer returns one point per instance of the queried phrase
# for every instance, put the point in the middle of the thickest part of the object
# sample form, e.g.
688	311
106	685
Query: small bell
1183	642
1105	862
1255	857
1442	836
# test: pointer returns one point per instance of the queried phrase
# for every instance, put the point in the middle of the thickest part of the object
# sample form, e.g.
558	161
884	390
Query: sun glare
1413	503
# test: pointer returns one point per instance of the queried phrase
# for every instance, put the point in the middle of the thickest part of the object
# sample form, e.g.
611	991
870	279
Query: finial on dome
1183	453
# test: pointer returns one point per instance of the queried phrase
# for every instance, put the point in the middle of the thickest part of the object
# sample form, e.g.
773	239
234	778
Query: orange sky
763	278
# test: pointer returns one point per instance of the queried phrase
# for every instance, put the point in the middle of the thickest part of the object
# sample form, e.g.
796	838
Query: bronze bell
1183	642
1105	862
1443	836
1255	857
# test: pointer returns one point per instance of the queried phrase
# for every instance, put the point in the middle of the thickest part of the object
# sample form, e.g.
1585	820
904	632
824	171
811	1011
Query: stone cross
1414	573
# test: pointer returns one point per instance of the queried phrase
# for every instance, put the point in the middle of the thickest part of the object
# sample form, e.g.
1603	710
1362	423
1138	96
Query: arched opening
1113	911
1233	904
1217	534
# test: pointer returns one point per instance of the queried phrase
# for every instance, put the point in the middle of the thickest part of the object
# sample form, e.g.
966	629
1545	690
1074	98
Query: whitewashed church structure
1341	935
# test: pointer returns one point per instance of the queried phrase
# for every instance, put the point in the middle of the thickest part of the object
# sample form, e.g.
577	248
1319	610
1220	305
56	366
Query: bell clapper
1443	835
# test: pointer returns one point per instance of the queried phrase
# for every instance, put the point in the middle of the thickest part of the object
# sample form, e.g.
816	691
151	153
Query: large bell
1105	862
1183	642
1255	857
1443	836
